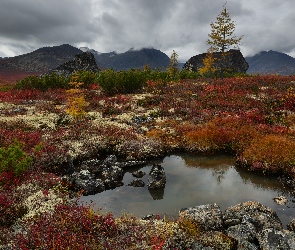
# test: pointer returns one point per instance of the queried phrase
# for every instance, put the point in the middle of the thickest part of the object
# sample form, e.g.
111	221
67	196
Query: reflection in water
157	194
193	180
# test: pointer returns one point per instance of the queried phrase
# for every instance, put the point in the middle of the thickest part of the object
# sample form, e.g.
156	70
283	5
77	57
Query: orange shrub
228	134
271	154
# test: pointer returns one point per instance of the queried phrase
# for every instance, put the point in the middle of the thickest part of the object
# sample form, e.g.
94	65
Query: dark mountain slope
136	59
36	62
271	62
42	59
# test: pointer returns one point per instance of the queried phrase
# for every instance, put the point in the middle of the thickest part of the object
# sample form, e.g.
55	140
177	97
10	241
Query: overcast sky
118	25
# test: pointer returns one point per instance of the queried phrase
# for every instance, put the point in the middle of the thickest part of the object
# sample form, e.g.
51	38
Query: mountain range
271	62
47	58
132	58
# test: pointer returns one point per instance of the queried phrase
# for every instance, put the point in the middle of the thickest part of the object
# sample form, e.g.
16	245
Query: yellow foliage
76	100
208	69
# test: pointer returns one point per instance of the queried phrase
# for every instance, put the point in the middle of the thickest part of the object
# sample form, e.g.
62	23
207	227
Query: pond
193	180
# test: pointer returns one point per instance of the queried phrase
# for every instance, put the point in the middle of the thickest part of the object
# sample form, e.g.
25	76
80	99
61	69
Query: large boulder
207	217
248	225
260	216
84	61
233	62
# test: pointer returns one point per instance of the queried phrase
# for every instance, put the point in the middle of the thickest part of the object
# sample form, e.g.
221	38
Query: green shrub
122	81
44	82
87	77
14	159
187	74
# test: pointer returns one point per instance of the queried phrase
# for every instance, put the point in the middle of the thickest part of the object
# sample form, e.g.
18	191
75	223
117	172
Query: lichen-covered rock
260	216
234	63
84	180
208	217
136	183
291	225
98	175
157	177
271	239
245	234
217	240
138	174
280	200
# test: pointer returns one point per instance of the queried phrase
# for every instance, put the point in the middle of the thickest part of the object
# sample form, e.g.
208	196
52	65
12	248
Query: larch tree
173	65
208	69
221	39
222	36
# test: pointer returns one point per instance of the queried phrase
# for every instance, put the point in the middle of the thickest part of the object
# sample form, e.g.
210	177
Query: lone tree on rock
222	34
221	39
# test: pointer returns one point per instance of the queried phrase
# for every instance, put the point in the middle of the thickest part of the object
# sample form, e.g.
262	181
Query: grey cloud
107	25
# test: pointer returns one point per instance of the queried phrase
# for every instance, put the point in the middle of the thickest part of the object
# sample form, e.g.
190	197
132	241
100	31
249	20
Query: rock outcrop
84	61
87	182
156	182
157	178
95	176
250	224
234	62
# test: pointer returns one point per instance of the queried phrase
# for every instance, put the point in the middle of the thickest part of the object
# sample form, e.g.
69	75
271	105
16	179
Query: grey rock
271	239
151	217
198	246
142	119
291	225
126	164
280	200
112	177
245	234
242	232
84	180
257	214
110	160
235	62
157	177
208	217
138	174
136	183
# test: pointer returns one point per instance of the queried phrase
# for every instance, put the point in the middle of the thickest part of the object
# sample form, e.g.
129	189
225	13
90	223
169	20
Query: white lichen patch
125	117
258	97
40	203
28	188
138	97
95	115
76	148
35	120
108	122
6	105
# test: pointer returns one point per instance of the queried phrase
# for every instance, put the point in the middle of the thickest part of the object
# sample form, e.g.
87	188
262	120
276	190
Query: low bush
14	159
122	81
76	100
44	82
221	134
270	154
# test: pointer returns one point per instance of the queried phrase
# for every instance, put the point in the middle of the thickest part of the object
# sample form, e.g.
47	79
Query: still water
193	180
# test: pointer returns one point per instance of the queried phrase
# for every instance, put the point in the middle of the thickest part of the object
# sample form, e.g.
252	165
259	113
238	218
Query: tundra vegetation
45	124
